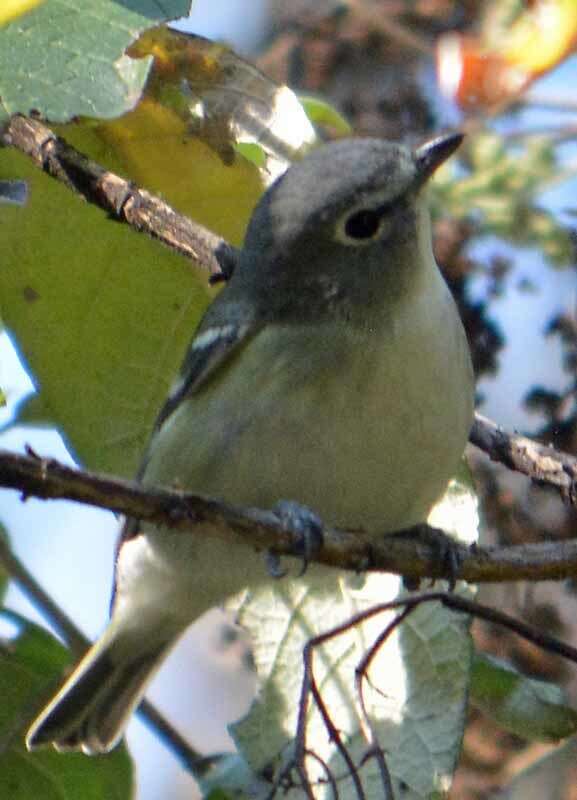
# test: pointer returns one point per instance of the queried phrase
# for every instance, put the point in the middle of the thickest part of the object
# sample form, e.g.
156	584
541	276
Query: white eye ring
362	226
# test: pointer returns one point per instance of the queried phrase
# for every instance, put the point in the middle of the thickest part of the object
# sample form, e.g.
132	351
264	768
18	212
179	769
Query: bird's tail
92	708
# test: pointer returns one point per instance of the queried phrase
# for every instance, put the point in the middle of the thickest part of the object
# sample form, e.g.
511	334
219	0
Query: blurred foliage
513	44
496	187
530	708
31	661
533	36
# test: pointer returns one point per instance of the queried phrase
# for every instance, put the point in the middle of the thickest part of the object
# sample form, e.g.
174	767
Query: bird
332	370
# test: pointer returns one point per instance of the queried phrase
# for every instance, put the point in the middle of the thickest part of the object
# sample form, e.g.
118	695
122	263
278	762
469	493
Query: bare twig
519	453
117	196
410	555
405	606
457	602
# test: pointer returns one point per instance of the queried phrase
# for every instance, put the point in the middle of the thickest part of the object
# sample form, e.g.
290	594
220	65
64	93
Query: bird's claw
273	565
446	552
307	526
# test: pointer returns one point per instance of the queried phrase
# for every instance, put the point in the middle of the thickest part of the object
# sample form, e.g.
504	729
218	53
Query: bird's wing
213	344
209	350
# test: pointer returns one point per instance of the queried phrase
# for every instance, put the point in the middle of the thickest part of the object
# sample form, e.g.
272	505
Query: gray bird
332	370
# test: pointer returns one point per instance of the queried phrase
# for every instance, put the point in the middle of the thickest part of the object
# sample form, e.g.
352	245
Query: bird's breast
362	427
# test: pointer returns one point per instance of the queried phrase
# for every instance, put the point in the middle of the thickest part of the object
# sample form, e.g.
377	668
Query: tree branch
148	213
140	209
411	555
538	461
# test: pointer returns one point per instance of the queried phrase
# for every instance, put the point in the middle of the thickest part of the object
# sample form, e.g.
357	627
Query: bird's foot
447	552
307	527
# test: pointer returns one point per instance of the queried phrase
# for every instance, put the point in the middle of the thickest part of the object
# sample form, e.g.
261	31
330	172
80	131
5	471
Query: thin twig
405	606
58	619
310	686
557	102
362	672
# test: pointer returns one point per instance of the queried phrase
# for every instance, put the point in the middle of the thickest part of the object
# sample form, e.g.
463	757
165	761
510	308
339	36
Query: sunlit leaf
543	36
416	692
324	114
66	57
10	9
224	99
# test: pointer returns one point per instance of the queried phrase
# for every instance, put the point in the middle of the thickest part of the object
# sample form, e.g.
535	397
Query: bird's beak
430	155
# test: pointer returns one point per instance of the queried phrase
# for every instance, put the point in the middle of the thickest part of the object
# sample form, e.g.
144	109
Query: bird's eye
363	224
362	227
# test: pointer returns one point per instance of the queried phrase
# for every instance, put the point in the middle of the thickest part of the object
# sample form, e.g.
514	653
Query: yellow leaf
543	36
10	9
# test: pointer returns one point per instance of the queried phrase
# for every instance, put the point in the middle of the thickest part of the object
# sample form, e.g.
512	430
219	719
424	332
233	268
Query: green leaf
100	314
324	114
30	664
66	58
530	708
252	152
